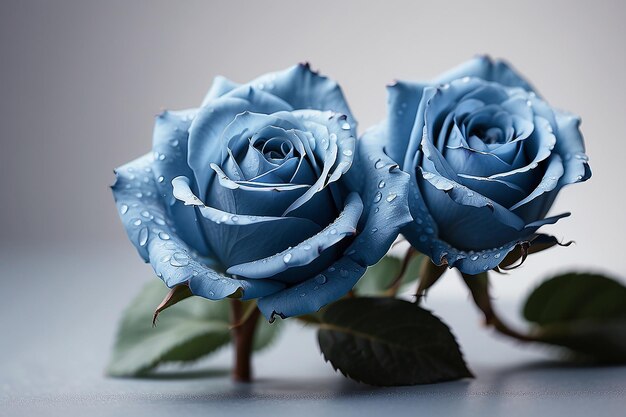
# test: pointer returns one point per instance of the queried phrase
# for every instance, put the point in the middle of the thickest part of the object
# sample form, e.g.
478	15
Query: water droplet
345	126
235	219
124	209
137	222
529	103
306	246
378	197
332	137
145	214
391	197
138	195
347	152
159	221
485	256
343	272
465	79
428	175
419	221
377	209
287	258
333	231
485	268
179	259
321	279
470	194
164	236
497	255
162	157
379	164
374	230
474	257
381	184
143	236
331	269
161	179
174	143
224	218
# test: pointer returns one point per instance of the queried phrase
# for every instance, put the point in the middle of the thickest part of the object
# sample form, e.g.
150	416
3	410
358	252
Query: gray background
80	82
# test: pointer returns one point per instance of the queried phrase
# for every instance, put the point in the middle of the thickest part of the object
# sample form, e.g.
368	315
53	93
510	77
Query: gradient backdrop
80	83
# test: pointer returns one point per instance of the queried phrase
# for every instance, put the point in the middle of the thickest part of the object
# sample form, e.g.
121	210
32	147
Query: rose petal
307	251
144	217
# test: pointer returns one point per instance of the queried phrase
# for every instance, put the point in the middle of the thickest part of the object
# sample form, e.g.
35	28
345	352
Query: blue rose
262	193
487	157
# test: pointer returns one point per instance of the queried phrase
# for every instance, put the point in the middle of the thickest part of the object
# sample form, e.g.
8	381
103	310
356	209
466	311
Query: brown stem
243	339
479	288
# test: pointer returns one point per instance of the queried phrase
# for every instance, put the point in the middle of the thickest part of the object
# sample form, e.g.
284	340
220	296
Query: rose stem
479	289
243	339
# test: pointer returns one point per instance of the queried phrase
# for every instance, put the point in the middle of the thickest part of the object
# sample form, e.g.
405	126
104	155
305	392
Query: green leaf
585	313
574	296
589	340
389	342
187	331
380	276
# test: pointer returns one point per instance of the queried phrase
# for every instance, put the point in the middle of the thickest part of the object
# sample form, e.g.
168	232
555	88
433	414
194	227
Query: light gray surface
59	315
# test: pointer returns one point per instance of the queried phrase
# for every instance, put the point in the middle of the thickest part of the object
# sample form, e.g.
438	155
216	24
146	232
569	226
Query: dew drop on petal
333	231
379	164
143	236
124	208
474	257
306	246
287	258
345	126
391	197
137	222
378	197
381	184
347	152
179	259
164	236
145	213
161	178
321	279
